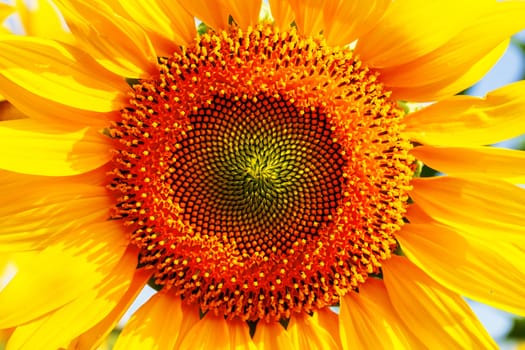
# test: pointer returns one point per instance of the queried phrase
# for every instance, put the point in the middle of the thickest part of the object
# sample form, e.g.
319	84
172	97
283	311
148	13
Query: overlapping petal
494	162
307	333
413	28
369	321
34	148
59	73
56	329
233	335
116	43
151	327
348	20
167	23
44	211
91	339
459	262
9	112
440	318
489	209
272	336
411	53
213	13
43	20
470	121
22	104
282	13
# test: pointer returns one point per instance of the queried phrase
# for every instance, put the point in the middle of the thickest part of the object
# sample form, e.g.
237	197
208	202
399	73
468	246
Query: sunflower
259	173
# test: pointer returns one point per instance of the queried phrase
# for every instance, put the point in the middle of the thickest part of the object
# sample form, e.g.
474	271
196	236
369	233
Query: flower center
260	173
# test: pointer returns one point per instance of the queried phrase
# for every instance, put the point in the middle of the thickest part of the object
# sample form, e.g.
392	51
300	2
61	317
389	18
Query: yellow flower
258	174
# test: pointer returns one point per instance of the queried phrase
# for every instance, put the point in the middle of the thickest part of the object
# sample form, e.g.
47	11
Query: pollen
261	174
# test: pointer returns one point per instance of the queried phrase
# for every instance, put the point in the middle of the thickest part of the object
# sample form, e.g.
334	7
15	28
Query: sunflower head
262	173
258	173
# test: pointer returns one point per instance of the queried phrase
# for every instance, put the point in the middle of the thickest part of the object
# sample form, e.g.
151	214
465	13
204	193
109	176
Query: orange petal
35	148
91	339
493	162
59	73
217	333
9	112
470	121
440	318
212	13
244	12
282	13
167	23
151	326
368	320
116	43
348	20
413	28
498	206
58	328
273	336
329	320
466	265
308	16
308	334
191	316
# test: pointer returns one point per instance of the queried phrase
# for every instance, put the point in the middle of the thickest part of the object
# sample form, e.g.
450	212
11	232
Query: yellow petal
151	327
73	254
467	266
368	320
5	11
282	13
413	28
308	334
167	23
44	210
43	20
212	13
29	296
91	339
60	73
273	336
453	83
308	16
440	318
485	208
116	43
35	148
486	161
57	329
471	121
348	20
217	333
49	112
450	62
